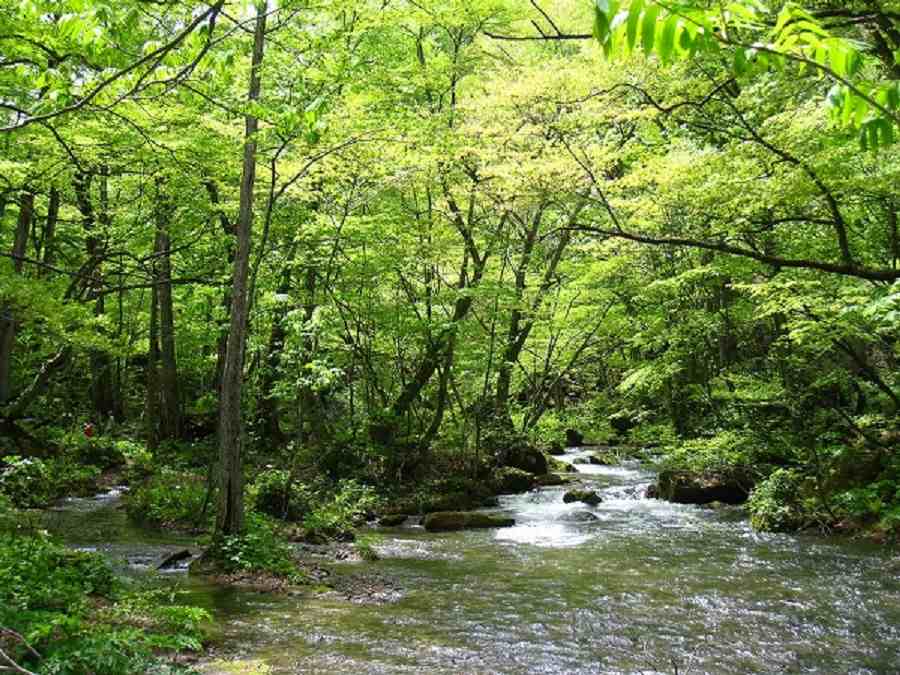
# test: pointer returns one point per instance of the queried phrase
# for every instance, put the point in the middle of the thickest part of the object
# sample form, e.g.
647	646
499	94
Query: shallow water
645	587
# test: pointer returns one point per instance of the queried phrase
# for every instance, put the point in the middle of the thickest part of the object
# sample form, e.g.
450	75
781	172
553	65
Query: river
629	586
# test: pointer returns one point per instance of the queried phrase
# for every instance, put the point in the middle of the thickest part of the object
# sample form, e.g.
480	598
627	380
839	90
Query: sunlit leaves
759	39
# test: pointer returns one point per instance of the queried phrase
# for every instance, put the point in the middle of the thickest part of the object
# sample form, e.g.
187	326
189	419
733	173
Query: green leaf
667	39
648	29
740	64
634	19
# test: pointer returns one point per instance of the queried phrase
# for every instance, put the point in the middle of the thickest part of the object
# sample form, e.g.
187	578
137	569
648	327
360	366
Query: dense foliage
335	250
65	612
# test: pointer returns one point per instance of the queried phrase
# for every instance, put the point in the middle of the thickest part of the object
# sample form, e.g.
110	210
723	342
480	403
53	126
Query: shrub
169	499
274	493
100	451
780	503
68	606
258	549
35	483
724	453
337	514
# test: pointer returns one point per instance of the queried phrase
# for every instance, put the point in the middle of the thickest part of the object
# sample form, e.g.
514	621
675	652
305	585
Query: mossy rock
558	466
448	521
584	496
392	520
555	448
509	480
551	479
603	459
686	487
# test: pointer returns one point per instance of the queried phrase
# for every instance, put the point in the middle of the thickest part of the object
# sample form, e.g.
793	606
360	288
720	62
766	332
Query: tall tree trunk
520	327
170	403
228	229
7	319
230	512
48	243
309	425
266	404
101	390
152	412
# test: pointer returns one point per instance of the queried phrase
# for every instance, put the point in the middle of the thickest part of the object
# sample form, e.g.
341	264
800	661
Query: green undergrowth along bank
64	612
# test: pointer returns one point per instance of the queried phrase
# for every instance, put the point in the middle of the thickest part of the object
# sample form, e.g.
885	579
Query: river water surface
629	586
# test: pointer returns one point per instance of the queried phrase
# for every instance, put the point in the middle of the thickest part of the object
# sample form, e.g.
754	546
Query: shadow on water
631	585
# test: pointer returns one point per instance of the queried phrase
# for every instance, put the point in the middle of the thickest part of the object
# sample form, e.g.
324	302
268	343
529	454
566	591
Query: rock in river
446	521
509	480
578	517
683	487
392	520
585	496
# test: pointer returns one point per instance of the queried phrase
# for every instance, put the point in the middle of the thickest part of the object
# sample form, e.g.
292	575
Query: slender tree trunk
170	403
48	245
519	327
266	404
101	391
309	424
152	412
228	230
230	513
8	325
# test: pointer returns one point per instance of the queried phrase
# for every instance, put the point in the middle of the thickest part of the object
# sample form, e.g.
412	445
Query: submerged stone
392	520
585	496
578	517
447	521
551	479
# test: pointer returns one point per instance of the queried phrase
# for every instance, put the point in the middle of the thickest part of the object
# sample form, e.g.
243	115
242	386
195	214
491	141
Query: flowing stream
629	586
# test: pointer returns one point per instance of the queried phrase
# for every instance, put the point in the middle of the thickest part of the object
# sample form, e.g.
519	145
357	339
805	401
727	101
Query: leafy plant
169	498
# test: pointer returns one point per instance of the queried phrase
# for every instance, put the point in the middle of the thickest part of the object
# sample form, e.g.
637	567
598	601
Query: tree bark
228	230
266	404
170	402
152	404
8	325
48	245
230	512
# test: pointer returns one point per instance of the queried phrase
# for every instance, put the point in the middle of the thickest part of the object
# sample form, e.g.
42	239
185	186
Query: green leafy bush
337	514
724	453
274	493
258	549
30	482
70	608
169	499
780	503
100	451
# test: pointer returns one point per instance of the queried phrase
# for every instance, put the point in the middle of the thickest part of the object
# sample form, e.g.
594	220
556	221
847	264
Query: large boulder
448	521
392	520
551	479
589	497
527	459
574	438
559	466
509	480
603	459
685	487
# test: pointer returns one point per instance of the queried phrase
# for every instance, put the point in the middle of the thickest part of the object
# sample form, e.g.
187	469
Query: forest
330	310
